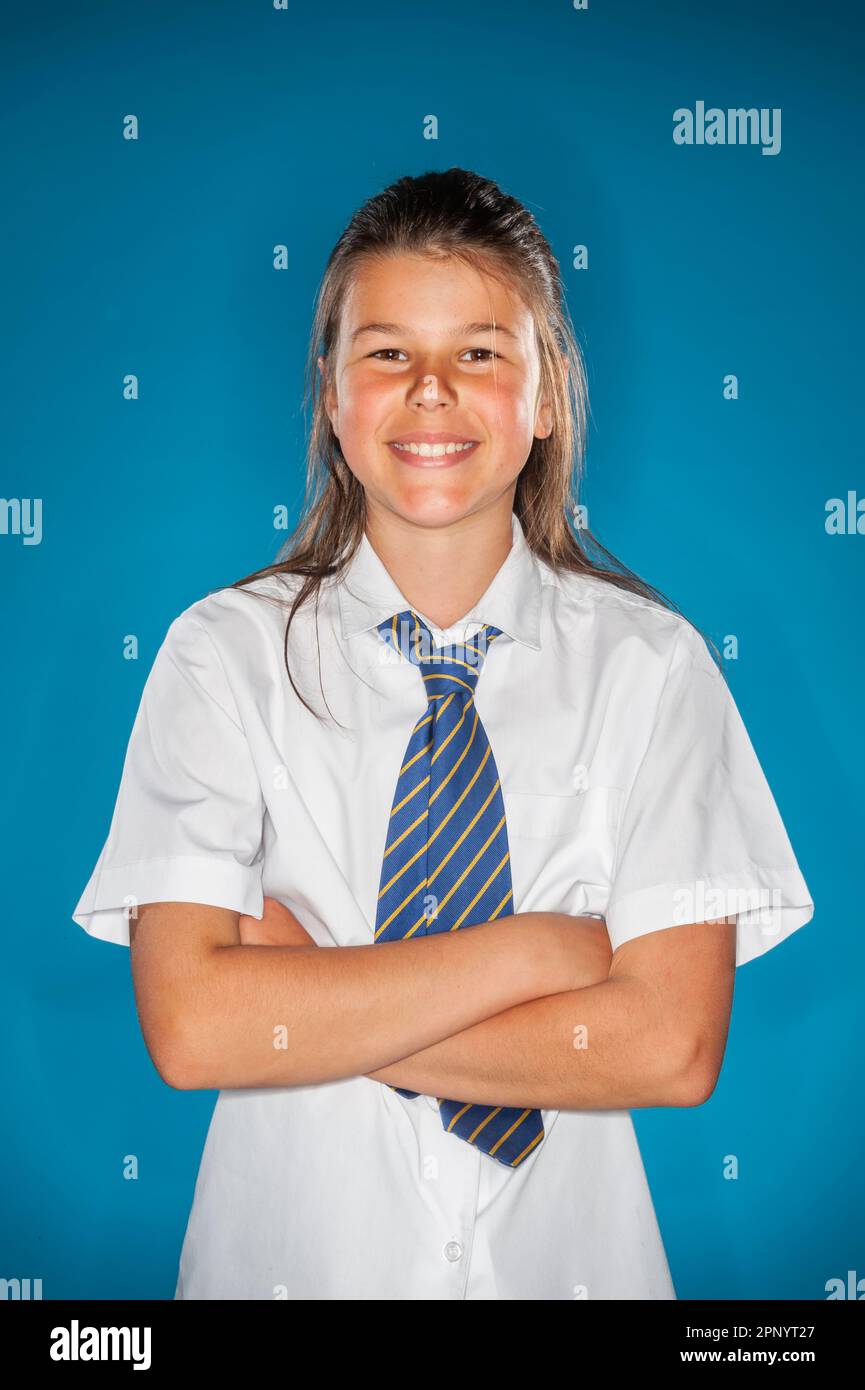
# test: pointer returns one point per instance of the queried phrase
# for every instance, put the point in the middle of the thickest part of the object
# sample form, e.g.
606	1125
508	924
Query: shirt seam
236	721
612	591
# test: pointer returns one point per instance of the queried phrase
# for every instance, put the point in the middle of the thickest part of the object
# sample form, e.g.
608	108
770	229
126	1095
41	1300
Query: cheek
507	414
364	401
363	438
363	407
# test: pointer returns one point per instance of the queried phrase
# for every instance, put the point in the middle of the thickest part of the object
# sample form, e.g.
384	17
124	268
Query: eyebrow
461	331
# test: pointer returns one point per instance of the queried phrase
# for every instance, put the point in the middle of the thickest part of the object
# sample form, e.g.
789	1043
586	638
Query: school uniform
628	780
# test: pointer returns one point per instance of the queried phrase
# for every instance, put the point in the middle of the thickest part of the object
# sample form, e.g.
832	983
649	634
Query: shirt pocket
563	849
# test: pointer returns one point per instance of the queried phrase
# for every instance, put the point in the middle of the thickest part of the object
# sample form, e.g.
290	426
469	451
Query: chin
433	511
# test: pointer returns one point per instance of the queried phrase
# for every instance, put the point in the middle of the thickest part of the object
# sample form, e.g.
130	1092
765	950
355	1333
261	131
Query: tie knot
449	670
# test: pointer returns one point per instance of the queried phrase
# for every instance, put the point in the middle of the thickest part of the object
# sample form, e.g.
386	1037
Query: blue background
154	256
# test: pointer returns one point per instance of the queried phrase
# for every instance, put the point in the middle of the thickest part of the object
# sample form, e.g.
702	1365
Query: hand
583	946
276	927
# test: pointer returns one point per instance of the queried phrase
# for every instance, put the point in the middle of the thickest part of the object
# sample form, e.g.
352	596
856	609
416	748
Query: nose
431	388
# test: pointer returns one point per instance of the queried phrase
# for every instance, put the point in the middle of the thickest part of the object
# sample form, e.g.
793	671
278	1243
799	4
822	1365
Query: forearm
602	1047
277	1016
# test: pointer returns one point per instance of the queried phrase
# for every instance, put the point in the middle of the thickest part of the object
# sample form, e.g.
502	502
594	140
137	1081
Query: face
432	354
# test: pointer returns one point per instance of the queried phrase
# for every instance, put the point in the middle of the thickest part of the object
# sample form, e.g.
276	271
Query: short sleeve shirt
632	792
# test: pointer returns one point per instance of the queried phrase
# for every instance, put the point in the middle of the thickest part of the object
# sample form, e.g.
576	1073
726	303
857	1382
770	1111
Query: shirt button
453	1250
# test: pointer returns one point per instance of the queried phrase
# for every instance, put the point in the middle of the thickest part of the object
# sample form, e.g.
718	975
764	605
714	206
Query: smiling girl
453	727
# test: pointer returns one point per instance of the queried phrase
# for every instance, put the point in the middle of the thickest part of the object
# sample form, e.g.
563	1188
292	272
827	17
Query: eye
488	351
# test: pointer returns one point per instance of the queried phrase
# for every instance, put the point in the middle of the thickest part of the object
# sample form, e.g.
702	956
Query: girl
453	727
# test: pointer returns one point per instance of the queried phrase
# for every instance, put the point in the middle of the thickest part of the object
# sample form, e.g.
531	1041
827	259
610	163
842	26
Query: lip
443	461
432	437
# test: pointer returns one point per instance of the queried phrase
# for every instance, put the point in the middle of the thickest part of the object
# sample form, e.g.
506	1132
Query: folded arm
650	1031
217	1013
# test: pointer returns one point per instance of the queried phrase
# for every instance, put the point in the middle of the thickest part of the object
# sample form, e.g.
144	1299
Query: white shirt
629	781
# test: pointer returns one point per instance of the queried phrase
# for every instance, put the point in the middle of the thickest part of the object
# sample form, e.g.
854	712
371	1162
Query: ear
543	420
544	415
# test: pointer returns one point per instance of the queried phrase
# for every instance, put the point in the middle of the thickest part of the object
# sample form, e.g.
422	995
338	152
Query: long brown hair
451	214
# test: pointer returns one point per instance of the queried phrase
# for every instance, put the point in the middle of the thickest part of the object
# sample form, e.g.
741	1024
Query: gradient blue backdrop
257	127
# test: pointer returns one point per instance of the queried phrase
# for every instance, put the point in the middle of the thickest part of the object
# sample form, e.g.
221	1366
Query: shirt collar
367	595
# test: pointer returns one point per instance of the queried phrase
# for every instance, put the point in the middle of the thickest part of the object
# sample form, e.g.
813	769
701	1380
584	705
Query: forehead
431	294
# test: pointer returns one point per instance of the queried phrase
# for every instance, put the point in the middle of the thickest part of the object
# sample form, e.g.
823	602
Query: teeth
431	451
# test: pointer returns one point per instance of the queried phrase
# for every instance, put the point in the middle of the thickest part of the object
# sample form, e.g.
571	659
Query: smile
434	454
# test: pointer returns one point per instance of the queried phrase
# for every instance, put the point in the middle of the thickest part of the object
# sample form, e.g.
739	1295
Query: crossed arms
651	1031
533	1010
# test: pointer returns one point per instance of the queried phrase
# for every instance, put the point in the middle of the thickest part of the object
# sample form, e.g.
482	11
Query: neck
444	570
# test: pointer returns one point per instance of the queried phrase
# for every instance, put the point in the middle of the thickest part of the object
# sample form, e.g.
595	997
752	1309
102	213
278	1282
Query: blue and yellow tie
446	861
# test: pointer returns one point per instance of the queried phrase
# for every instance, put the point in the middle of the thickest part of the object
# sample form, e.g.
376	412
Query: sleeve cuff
106	902
769	904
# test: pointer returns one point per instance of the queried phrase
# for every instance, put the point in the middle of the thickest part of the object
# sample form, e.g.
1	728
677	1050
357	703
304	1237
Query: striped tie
446	862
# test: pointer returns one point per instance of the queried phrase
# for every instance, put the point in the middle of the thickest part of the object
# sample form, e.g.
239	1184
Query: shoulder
233	639
237	617
635	633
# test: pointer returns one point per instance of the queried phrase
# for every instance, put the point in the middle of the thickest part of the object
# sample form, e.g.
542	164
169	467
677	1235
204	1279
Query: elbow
188	1066
699	1087
171	1060
694	1077
176	1075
